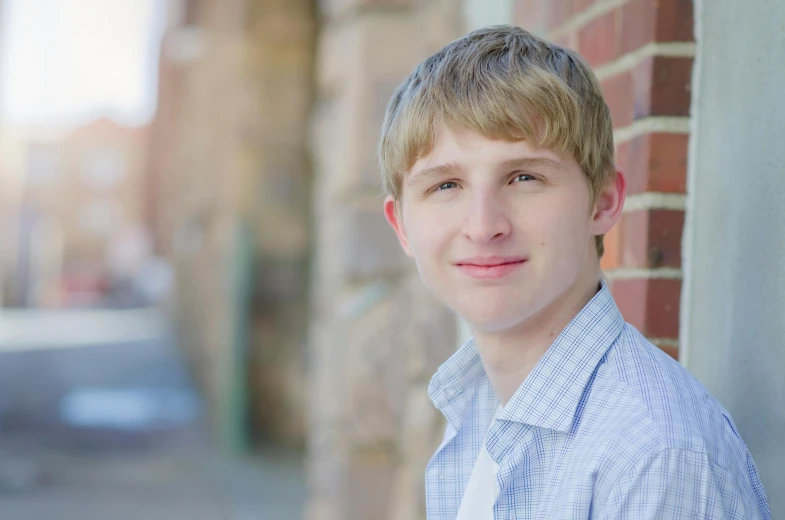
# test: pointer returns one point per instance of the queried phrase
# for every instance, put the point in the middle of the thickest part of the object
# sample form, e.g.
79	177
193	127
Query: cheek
428	233
561	225
422	239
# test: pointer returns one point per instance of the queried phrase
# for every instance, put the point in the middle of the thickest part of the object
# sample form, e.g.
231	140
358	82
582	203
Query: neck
510	355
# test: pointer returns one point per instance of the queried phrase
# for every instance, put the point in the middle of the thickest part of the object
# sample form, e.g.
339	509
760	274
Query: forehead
466	149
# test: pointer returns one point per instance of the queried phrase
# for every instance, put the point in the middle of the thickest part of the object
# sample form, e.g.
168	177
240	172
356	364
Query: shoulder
658	393
641	401
647	413
662	431
680	483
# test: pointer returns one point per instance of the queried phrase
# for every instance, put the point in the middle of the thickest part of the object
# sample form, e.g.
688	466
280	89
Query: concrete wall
734	322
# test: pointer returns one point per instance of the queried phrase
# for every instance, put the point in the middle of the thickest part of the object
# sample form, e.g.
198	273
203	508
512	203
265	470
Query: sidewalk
156	485
99	421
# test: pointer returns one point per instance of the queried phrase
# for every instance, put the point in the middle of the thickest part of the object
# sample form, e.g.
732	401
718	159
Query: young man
497	157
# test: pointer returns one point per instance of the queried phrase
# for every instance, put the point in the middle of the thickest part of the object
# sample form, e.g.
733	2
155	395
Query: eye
446	186
524	177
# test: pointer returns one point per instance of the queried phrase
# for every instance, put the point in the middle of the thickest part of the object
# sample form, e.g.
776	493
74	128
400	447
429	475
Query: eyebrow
436	171
530	162
510	164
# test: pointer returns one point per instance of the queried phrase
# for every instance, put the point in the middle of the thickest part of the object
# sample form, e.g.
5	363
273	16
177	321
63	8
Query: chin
491	318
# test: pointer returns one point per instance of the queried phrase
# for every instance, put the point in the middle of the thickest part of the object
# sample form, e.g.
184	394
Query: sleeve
675	484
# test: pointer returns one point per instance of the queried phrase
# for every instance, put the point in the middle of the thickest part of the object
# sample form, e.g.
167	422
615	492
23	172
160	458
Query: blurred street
107	425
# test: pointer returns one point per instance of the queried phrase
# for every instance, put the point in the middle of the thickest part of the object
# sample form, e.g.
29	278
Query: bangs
537	108
503	84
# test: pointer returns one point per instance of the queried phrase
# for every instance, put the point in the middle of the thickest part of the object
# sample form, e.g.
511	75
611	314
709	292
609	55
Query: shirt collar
550	395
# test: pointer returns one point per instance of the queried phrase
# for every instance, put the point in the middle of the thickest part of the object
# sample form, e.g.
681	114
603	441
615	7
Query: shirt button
441	476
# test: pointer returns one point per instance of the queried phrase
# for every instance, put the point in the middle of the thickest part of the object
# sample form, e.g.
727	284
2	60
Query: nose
486	219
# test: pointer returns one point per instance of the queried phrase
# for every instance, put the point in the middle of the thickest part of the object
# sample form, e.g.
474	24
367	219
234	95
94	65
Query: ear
395	219
609	204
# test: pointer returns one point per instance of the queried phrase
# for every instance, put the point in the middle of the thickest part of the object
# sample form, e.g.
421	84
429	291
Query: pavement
96	423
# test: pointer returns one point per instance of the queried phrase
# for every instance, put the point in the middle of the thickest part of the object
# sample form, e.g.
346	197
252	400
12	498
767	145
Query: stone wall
377	335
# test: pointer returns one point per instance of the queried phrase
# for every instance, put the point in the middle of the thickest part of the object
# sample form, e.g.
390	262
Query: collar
550	394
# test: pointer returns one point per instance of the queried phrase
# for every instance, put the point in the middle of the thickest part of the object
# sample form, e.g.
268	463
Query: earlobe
610	203
394	218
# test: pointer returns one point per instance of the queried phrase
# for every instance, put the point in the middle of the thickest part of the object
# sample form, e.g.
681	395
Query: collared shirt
606	426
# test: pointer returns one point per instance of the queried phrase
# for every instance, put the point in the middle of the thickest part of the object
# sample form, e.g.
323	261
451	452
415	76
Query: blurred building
230	202
11	189
78	218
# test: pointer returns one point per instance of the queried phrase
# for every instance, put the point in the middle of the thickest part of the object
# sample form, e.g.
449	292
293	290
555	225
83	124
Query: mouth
488	268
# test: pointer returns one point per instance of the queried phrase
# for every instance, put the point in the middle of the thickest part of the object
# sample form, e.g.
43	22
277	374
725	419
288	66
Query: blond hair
503	83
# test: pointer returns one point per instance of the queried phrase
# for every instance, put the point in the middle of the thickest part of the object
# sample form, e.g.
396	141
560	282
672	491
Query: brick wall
642	52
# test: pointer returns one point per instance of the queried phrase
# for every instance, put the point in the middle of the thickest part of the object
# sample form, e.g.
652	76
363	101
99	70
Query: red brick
662	86
619	95
669	348
645	21
642	87
650	304
668	163
657	86
651	238
675	22
630	296
598	40
655	162
637	24
611	259
624	160
671	82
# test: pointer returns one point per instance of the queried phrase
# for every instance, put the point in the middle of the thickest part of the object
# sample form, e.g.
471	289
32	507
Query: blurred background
203	313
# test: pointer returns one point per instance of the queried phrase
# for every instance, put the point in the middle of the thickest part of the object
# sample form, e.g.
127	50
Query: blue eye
446	186
524	177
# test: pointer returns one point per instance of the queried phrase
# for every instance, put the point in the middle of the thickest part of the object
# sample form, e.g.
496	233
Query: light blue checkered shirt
605	426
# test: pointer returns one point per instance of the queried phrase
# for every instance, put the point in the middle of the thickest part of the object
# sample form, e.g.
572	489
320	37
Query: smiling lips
490	267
